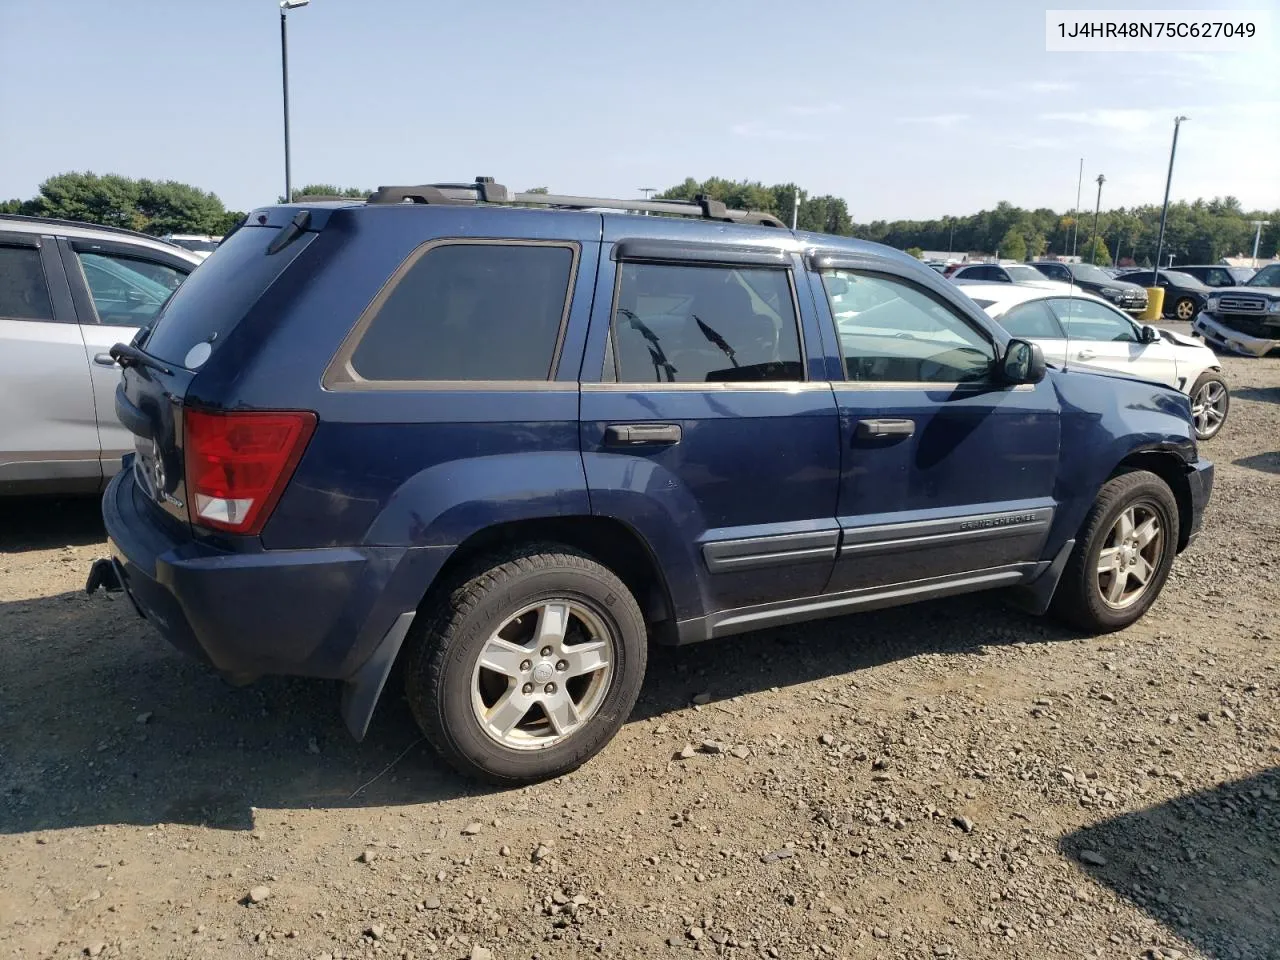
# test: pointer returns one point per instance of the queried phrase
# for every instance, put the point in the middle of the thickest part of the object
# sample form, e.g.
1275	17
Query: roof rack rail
484	190
80	224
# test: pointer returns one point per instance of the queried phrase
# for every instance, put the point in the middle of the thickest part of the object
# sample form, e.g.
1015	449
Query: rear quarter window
464	311
209	304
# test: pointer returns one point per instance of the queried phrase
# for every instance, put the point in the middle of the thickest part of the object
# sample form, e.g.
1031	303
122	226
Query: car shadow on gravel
1206	864
102	723
28	523
1261	394
1265	462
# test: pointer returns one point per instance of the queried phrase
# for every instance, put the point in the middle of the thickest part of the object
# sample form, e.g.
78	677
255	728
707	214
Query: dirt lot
951	779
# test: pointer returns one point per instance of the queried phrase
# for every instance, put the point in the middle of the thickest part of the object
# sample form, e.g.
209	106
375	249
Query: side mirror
1023	362
1150	334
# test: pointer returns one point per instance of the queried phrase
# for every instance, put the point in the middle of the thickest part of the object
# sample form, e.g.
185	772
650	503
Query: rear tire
1210	403
1122	556
527	666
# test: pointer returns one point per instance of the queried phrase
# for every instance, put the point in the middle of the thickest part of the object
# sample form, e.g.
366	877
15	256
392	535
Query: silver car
68	292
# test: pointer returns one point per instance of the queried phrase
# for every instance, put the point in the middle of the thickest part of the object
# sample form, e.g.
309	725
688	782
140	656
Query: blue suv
508	439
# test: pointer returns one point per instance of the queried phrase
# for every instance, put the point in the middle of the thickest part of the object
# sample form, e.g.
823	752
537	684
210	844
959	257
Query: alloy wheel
1208	408
543	674
1130	557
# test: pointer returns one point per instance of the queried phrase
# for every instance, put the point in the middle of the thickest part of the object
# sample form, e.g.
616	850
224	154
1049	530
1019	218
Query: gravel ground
949	779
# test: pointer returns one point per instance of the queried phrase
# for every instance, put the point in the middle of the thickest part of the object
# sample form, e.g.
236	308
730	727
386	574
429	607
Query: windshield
1020	274
1266	277
1089	273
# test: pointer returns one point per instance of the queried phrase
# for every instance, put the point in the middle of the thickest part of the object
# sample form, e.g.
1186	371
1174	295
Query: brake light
238	464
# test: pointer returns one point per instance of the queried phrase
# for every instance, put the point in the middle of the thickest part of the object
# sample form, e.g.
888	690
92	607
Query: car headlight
1211	303
1274	308
1111	293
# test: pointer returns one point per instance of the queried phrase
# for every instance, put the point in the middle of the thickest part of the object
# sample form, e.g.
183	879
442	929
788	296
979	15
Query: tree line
1202	231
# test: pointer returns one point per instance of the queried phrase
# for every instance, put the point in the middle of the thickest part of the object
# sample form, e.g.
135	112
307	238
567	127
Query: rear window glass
218	295
470	311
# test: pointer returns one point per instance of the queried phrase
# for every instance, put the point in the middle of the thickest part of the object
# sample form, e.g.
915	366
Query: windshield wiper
128	355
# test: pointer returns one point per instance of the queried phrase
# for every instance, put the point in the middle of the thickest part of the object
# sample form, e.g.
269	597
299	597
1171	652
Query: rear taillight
238	464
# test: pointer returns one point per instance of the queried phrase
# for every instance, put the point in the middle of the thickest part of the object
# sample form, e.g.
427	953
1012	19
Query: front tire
1122	556
1210	403
1184	309
527	666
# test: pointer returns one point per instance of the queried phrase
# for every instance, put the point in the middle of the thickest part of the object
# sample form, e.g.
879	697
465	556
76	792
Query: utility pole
1075	212
795	208
1164	213
1257	237
1096	210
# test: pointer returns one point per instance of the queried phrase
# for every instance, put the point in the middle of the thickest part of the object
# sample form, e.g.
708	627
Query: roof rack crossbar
484	190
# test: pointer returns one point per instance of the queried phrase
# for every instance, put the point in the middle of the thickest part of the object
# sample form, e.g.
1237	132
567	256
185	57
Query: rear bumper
314	613
1200	482
1224	337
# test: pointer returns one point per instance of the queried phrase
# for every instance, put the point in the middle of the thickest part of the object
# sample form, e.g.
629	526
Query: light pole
951	240
1075	212
795	208
647	191
1257	237
285	7
1096	210
1164	213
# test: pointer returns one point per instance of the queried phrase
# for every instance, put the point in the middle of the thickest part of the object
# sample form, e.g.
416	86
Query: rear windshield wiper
128	355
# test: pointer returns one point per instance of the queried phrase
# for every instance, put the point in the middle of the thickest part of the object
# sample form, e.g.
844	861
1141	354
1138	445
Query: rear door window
127	292
704	324
24	293
466	311
216	297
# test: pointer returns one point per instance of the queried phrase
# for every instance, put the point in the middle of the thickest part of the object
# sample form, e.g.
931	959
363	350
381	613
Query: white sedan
1083	331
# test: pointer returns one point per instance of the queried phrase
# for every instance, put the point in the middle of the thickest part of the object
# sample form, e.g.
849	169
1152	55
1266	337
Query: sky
907	109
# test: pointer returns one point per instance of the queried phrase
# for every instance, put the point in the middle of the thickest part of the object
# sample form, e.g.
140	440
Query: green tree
152	206
172	207
110	200
327	190
915	252
11	206
1099	254
1013	246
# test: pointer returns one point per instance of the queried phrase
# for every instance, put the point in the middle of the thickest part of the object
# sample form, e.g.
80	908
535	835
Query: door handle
641	434
886	428
104	360
1085	355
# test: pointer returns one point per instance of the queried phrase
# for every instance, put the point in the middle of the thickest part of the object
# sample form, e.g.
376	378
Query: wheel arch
607	540
1171	468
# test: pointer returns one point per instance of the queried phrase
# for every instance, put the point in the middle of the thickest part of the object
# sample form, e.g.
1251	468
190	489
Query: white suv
68	292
